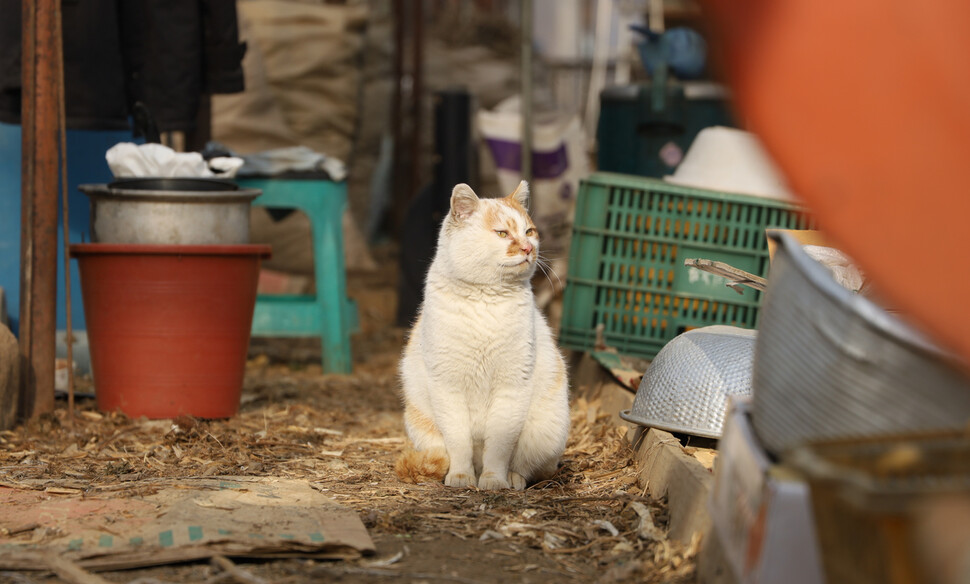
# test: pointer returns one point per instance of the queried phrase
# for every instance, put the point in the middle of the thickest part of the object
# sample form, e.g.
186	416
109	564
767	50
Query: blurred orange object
865	105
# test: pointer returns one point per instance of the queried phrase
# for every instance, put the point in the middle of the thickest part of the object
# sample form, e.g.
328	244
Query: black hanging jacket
163	53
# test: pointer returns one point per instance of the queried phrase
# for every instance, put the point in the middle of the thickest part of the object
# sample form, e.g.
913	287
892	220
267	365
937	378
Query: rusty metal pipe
41	92
65	218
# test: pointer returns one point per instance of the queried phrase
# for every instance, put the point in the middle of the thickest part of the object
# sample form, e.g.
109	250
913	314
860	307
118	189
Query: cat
485	389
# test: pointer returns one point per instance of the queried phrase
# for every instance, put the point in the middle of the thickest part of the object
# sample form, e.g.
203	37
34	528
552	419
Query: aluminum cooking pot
186	212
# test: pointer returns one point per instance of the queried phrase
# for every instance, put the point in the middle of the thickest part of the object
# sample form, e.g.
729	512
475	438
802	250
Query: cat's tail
422	466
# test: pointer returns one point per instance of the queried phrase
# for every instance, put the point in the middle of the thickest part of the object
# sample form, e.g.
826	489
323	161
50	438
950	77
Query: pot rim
103	191
263	251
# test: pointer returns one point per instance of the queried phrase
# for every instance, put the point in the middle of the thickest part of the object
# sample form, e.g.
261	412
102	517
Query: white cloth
131	160
292	159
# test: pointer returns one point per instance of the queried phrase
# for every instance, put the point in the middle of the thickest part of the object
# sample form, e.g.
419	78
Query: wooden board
666	470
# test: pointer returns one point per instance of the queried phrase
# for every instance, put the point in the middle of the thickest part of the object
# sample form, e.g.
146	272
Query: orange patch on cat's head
491	217
510	201
493	214
497	219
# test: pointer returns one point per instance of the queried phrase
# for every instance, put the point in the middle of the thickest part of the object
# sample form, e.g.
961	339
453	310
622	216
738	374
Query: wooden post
38	245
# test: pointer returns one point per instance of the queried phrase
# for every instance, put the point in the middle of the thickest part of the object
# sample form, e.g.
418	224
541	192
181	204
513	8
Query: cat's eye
502	234
531	232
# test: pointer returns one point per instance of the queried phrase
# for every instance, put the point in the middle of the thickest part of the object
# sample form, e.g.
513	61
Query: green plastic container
626	262
646	129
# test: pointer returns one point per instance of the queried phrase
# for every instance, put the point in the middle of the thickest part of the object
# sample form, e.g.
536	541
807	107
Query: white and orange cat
485	390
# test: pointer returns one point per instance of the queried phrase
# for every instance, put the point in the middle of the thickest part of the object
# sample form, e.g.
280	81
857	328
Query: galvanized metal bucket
832	364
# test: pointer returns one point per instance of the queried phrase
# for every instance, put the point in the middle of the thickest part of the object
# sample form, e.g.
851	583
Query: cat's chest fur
491	335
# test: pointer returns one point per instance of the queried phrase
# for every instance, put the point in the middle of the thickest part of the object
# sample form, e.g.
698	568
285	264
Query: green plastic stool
328	313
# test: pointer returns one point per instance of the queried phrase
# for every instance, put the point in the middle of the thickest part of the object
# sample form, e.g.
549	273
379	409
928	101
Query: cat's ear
464	201
521	194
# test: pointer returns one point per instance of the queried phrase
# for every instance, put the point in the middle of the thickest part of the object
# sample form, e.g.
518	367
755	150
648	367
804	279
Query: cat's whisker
548	259
545	273
546	268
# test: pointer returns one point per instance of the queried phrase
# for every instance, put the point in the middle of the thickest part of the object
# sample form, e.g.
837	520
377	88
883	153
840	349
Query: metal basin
832	364
685	388
169	216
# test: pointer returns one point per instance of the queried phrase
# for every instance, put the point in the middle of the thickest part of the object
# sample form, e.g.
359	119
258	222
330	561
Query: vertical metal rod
398	206
597	74
526	36
26	400
417	88
66	224
39	121
201	133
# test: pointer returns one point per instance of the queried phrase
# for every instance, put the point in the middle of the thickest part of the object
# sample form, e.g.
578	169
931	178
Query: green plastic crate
626	261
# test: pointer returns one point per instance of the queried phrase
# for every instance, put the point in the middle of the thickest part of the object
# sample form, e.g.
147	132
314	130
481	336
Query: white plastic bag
132	160
558	163
843	270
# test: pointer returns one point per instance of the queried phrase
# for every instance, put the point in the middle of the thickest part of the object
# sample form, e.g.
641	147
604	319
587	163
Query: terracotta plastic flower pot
168	325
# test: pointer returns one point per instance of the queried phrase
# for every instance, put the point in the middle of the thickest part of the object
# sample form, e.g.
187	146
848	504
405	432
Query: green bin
646	132
626	261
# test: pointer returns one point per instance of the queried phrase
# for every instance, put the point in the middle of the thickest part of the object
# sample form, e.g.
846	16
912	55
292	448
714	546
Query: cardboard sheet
628	371
178	520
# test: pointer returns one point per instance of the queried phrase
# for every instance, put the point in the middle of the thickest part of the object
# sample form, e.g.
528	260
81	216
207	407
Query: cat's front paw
490	481
460	479
516	480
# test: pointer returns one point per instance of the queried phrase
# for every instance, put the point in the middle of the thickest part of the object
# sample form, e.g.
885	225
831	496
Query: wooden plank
591	381
9	378
712	566
666	470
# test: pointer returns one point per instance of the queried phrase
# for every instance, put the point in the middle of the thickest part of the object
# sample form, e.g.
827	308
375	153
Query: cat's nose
527	248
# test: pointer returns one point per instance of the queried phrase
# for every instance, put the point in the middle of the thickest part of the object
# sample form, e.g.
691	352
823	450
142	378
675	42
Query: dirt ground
342	434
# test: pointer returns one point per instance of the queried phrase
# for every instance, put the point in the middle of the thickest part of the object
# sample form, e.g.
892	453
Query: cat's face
490	240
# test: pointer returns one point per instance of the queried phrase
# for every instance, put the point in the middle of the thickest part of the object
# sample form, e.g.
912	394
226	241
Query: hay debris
342	434
591	508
